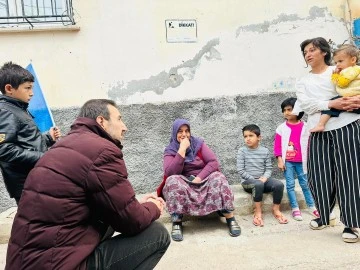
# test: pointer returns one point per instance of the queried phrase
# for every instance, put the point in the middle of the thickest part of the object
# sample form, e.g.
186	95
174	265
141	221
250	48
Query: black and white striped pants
334	172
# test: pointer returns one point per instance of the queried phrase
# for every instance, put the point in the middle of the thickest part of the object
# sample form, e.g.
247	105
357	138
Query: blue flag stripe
38	106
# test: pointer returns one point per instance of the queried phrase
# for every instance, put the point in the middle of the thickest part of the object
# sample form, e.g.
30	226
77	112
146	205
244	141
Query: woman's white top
313	92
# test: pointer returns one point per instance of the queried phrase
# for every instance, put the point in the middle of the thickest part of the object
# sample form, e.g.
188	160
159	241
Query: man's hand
263	179
158	201
55	133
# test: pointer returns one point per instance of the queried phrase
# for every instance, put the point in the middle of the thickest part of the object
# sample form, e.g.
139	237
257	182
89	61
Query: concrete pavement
207	244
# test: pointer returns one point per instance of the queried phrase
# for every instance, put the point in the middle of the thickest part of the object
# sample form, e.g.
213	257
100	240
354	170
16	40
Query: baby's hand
337	70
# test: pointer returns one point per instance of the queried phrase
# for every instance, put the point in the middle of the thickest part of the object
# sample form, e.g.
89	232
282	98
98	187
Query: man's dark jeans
142	251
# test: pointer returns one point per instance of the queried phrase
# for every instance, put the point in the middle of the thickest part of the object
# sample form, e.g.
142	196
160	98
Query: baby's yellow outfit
347	81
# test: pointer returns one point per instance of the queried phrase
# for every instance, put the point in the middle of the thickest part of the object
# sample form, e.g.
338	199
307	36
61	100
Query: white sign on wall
178	31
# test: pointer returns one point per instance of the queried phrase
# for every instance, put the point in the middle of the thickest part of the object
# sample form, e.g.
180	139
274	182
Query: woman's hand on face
184	144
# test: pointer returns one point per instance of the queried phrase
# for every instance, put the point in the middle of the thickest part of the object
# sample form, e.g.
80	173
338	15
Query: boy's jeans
291	168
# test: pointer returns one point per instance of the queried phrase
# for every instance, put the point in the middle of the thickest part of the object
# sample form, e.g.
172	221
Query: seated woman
192	182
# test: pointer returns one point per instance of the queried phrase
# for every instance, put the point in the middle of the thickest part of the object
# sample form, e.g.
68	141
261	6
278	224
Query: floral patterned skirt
184	197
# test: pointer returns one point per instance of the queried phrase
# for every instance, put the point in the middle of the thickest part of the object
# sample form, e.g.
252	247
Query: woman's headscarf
173	147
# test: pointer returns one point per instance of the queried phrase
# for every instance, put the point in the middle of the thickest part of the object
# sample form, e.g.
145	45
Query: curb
243	206
6	220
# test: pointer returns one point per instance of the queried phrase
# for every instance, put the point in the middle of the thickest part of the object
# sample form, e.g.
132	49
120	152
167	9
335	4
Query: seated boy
255	167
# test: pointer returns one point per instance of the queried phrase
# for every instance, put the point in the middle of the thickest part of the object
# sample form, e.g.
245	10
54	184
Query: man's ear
8	89
100	120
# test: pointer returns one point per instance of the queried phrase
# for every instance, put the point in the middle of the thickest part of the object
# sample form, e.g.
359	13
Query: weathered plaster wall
121	49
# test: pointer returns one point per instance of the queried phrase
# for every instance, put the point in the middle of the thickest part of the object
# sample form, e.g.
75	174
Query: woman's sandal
350	235
280	217
316	224
234	228
258	221
177	232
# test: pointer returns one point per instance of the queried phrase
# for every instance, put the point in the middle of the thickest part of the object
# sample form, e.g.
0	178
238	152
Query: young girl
346	78
289	148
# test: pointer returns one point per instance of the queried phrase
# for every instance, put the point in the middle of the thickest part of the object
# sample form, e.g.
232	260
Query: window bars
17	12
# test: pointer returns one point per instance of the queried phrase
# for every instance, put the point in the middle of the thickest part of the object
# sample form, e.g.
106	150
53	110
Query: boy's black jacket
21	143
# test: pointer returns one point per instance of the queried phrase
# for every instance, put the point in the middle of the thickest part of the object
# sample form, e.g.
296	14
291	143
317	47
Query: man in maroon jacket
76	193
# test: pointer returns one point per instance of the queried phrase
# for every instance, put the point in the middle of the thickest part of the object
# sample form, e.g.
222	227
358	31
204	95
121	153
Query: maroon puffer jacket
80	180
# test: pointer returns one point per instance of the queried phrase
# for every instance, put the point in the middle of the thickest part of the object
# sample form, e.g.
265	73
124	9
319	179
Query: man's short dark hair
322	44
14	75
291	102
96	107
252	128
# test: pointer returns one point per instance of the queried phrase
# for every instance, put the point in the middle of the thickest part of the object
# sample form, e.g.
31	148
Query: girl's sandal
258	221
176	231
280	217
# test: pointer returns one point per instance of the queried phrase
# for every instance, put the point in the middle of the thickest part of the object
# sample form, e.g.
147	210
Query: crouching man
76	193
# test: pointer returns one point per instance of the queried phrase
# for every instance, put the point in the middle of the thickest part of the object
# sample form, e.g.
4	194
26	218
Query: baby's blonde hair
350	50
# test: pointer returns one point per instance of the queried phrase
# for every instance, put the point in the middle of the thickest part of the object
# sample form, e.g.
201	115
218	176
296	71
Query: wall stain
314	12
164	80
187	70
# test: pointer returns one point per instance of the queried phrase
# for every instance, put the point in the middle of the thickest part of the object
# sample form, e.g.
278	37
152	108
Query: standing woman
192	182
333	155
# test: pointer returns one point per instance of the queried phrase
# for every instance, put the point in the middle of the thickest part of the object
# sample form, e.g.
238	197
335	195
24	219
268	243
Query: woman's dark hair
96	107
320	43
291	102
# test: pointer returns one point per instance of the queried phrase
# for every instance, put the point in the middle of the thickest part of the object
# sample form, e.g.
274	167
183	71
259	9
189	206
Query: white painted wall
125	42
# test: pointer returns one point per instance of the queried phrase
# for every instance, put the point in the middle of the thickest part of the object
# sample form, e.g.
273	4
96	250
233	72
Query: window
33	12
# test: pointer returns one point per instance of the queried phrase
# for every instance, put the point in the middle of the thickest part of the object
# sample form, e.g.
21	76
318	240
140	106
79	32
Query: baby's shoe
296	214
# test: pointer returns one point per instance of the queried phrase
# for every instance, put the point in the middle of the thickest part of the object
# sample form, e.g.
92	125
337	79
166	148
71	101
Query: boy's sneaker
296	214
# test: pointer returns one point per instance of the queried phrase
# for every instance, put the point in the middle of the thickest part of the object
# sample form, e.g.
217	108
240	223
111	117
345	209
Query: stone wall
219	121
